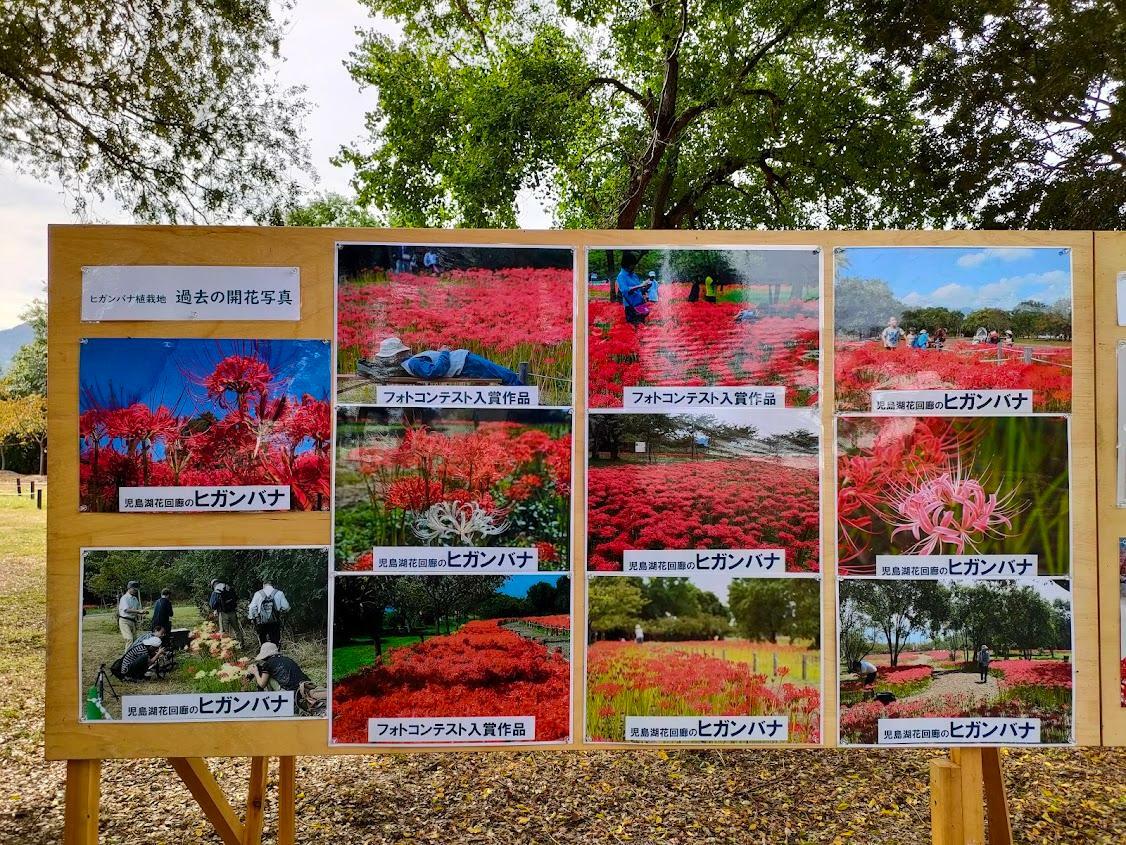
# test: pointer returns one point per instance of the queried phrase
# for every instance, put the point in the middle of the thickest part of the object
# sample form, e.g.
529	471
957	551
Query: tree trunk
611	275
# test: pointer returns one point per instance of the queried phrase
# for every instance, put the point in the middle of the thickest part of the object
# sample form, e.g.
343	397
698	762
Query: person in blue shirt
654	283
922	339
632	290
394	355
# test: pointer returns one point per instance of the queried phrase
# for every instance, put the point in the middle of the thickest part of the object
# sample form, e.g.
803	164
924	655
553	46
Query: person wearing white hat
140	657
394	356
274	671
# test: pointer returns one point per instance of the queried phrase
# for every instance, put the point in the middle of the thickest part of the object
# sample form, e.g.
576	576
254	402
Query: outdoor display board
336	490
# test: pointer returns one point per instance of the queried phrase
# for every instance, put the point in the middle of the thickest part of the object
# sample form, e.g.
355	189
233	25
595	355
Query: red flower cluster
741	503
510	316
482	670
517	474
904	674
864	366
265	437
700	343
1040	673
625	679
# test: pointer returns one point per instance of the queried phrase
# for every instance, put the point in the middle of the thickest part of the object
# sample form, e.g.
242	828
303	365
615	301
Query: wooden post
996	802
195	774
946	803
968	761
255	802
83	791
287	801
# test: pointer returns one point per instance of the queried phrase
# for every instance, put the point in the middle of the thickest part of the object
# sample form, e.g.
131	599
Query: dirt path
959	683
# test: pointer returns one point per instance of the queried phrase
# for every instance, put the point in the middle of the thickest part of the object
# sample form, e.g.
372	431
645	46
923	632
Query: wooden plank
83	793
287	801
946	803
968	760
197	777
255	802
996	801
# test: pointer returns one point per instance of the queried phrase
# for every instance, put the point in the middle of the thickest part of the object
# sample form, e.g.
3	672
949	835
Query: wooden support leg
946	803
287	800
83	791
968	761
195	774
255	802
996	802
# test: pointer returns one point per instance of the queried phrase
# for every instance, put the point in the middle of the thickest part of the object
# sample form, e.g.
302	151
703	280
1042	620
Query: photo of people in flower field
933	318
452	477
166	621
210	413
451	646
435	314
941	648
953	486
721	480
706	646
688	317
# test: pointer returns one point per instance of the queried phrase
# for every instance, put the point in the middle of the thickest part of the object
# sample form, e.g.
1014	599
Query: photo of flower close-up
953	486
204	413
452	478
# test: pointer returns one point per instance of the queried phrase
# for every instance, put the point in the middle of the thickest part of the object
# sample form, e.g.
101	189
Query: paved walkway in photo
959	683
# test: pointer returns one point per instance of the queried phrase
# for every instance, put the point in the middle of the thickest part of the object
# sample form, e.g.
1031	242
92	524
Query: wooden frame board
313	251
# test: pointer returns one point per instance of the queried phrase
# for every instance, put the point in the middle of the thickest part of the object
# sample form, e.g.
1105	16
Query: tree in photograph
1027	621
1061	626
361	607
897	609
863	305
990	319
975	615
614	604
933	318
853	633
767	608
161	104
661	115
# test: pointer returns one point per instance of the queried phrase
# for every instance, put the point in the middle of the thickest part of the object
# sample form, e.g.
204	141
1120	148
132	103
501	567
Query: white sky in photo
318	39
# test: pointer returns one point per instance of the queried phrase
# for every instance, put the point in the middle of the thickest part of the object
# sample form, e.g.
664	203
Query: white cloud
1006	254
1004	293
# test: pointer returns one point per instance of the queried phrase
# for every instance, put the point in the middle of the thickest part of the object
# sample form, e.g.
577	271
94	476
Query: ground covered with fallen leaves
685	798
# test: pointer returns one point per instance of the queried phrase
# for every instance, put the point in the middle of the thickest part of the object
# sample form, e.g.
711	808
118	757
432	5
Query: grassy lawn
359	654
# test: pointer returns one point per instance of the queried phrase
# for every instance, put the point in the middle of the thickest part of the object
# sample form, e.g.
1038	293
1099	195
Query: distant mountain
11	340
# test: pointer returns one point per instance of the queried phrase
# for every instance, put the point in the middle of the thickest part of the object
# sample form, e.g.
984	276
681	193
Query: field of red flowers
934	485
699	343
494	484
510	316
738	503
864	366
481	670
264	436
626	679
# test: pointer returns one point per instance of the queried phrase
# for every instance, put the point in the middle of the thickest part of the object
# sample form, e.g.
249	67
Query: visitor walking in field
638	634
129	612
265	611
983	658
709	289
891	334
162	611
223	602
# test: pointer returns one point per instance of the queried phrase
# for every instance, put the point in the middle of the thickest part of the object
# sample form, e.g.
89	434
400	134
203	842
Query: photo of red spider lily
509	308
417	646
452	477
942	648
952	486
705	646
680	317
934	318
723	480
209	413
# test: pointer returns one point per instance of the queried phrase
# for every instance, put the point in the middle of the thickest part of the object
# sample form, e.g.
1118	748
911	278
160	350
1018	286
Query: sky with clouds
319	36
966	279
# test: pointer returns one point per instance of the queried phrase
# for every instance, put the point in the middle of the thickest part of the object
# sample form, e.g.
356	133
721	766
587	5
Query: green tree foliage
614	605
27	371
657	115
1022	100
863	305
990	319
161	104
767	608
896	609
299	573
933	318
331	209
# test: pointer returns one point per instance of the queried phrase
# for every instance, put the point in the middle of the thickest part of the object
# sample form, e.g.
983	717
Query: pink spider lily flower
953	510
